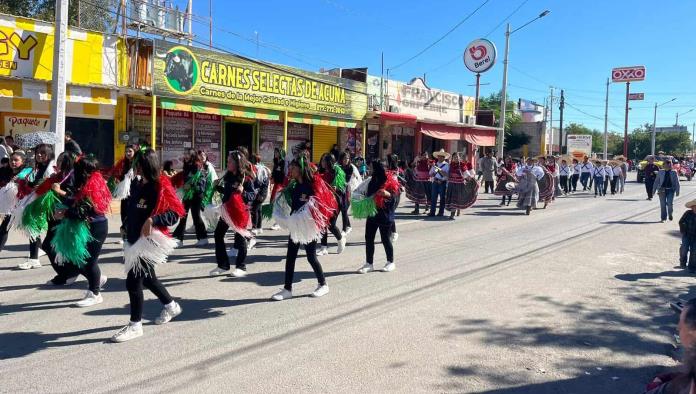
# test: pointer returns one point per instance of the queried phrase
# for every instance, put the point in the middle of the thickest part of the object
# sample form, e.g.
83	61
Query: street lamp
676	123
652	138
503	99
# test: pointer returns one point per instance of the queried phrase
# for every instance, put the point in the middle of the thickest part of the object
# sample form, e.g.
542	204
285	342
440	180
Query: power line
442	37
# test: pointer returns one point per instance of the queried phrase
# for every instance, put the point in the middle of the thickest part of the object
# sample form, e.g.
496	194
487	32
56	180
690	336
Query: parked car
659	160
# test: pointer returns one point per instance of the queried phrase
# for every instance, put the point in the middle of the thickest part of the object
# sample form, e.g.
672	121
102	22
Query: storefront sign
26	51
208	132
628	74
204	75
636	96
20	124
579	146
177	136
140	124
298	133
415	98
479	55
270	137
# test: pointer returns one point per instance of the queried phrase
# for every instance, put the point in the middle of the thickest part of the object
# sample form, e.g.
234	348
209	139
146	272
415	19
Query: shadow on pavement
20	344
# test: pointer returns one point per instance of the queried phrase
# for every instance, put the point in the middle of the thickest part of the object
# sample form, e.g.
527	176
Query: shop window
95	136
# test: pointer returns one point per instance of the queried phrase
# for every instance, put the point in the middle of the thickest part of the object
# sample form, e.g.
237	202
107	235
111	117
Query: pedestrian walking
488	170
649	173
666	186
439	172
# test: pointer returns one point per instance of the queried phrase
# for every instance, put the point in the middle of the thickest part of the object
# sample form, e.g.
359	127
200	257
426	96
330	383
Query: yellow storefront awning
219	109
321	121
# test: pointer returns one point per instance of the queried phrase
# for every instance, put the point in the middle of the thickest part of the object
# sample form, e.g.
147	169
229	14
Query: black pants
649	181
63	272
4	231
193	205
91	271
256	218
135	283
345	219
240	243
371	228
607	183
574	182
34	248
311	250
489	185
334	230
509	198
564	183
124	210
614	181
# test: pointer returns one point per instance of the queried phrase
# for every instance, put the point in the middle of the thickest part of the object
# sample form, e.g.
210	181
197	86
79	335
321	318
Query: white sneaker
232	252
201	242
239	273
389	267
283	294
178	243
130	331
275	227
29	264
342	244
323	251
255	231
41	252
168	313
102	281
259	231
251	244
366	268
348	230
321	291
394	237
119	242
218	271
90	300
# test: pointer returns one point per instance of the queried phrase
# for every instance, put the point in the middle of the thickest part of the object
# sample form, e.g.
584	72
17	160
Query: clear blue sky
573	48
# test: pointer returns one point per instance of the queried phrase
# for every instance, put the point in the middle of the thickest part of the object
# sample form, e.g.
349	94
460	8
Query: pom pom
339	181
148	252
235	213
168	200
96	190
178	179
122	189
306	224
191	186
363	208
209	189
18	211
35	215
8	197
70	242
211	215
267	211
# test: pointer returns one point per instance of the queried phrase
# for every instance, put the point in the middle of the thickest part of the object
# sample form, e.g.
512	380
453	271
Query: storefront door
431	144
95	136
238	134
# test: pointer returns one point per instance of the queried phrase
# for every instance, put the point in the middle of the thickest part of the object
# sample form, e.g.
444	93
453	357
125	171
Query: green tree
513	140
93	14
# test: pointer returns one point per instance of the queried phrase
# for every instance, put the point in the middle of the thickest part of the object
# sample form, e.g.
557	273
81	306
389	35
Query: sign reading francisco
203	75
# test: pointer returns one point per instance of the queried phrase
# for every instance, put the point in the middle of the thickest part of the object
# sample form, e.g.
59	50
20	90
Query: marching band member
608	177
586	173
598	176
565	172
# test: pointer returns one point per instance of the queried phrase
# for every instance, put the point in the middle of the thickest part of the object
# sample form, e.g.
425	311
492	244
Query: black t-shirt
278	173
667	183
142	202
300	194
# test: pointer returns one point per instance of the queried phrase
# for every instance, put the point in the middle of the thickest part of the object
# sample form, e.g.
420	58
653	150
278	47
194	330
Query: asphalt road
572	299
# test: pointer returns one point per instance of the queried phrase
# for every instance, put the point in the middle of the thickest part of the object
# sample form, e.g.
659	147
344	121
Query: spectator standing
666	185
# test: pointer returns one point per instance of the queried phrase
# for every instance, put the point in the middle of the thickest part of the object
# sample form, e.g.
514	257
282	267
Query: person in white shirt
564	173
618	180
439	172
598	176
577	169
608	177
586	174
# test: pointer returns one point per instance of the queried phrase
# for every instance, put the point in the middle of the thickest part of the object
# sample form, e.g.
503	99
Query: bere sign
479	55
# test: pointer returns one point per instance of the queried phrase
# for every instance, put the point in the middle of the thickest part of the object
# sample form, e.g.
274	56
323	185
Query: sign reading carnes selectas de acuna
207	76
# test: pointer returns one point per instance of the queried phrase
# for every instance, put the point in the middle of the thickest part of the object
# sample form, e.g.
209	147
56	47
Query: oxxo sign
479	55
628	74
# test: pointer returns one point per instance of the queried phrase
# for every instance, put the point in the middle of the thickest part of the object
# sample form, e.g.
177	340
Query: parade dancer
83	226
577	170
12	179
552	168
439	173
375	200
394	172
120	181
353	179
506	174
334	176
529	176
44	167
617	177
279	176
586	174
461	192
152	208
420	192
262	182
305	208
608	177
237	193
195	178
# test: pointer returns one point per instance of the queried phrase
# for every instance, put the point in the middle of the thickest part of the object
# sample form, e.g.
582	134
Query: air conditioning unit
394	109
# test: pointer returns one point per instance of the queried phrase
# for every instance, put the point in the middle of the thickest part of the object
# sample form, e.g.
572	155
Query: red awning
477	135
397	117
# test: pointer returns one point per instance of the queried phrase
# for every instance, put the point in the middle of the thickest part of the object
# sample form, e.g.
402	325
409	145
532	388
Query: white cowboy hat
690	204
441	153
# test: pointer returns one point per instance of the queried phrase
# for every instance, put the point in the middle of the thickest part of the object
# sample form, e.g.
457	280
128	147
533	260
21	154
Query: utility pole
189	16
59	89
551	122
503	95
210	14
562	142
542	143
606	122
693	139
625	147
381	87
676	122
